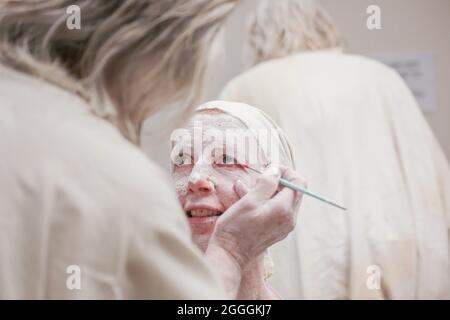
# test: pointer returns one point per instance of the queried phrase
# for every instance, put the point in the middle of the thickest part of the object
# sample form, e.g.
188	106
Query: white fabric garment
73	191
359	138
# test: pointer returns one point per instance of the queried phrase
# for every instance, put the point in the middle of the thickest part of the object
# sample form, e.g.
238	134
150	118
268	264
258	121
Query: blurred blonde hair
278	28
162	43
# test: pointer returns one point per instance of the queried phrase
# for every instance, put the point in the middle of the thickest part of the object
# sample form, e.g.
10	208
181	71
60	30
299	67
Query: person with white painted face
211	163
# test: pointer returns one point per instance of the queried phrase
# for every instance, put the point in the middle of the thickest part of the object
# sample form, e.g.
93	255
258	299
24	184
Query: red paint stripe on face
233	165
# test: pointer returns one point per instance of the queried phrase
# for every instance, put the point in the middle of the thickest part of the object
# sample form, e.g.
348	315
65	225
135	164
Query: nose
200	185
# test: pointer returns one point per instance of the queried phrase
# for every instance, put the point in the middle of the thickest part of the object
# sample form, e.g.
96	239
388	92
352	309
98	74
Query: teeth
204	213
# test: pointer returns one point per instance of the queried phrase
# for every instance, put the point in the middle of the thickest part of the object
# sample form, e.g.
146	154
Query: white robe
73	191
359	138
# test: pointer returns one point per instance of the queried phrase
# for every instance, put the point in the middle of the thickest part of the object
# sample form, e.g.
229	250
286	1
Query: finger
287	199
265	188
280	212
240	188
293	176
279	219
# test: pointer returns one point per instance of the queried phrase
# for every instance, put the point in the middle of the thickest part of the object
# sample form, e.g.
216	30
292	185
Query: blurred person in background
359	136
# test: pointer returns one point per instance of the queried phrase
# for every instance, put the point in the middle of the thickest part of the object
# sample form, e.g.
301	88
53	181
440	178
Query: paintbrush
295	187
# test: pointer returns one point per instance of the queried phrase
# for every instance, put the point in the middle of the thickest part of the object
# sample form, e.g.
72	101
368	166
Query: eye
226	159
182	159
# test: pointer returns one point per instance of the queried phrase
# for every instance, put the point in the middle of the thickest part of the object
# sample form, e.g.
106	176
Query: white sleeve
162	261
121	224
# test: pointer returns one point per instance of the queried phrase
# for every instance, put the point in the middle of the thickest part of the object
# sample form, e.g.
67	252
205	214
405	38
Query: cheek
180	179
225	180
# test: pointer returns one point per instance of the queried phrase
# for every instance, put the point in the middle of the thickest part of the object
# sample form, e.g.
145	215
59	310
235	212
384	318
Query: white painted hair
278	28
163	43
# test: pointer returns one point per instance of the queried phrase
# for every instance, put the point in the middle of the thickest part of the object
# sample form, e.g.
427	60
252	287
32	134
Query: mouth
202	220
202	213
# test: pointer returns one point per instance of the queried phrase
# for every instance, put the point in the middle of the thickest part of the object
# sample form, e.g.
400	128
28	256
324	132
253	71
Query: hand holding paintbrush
295	187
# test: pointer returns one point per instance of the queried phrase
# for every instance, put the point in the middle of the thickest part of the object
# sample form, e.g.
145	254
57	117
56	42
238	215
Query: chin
201	240
203	225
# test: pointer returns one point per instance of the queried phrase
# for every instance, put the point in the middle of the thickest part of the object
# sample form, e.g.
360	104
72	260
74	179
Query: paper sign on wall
417	69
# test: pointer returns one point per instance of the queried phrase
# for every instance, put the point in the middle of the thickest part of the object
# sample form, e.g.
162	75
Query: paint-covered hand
264	215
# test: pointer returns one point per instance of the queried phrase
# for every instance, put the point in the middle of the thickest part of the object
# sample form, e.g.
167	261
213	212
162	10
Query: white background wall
407	26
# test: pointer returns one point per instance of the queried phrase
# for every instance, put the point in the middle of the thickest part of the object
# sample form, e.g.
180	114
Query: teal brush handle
295	187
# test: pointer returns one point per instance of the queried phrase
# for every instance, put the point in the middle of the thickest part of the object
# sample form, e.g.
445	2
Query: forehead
217	129
214	119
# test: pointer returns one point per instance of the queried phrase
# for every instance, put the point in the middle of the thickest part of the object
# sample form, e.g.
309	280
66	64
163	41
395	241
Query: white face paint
213	181
202	183
194	177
